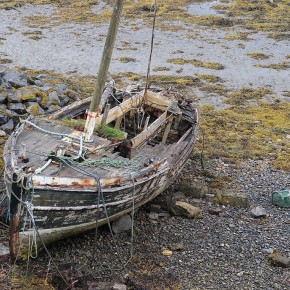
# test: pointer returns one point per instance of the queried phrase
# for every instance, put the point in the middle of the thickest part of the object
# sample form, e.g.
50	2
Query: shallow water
73	48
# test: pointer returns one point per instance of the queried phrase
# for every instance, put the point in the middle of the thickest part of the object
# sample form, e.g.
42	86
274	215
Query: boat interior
135	130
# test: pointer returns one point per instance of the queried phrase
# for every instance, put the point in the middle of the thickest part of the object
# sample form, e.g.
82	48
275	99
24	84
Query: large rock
279	260
123	224
64	100
194	188
61	88
3	119
182	208
72	95
14	97
53	108
232	197
17	108
8	127
3	99
15	78
49	100
258	212
28	94
34	109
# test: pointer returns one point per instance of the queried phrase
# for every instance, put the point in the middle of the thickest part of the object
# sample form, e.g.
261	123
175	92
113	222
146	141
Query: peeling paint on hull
67	205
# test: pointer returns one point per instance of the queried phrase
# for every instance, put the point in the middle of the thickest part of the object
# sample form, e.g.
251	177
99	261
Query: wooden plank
145	134
167	130
155	100
158	100
123	108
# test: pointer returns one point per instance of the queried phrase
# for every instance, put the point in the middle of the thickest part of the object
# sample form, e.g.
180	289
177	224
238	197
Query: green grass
110	133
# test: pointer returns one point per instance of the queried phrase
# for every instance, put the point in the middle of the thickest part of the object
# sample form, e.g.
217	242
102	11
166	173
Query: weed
258	55
195	62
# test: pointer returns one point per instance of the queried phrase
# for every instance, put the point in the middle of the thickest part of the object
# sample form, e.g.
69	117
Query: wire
152	44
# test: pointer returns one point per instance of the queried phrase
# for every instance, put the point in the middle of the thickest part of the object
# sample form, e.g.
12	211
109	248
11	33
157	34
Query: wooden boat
64	198
65	176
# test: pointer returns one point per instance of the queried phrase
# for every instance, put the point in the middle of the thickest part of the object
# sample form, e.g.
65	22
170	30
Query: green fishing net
281	198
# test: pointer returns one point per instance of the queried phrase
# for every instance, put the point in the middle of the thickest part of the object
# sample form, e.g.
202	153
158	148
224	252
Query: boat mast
95	108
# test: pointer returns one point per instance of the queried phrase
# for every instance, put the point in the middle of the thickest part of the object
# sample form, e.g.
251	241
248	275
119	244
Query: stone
123	224
279	260
195	189
46	87
38	83
119	287
233	197
162	201
164	214
17	108
3	119
2	133
240	274
176	246
166	252
14	98
215	210
8	127
64	100
268	251
258	212
61	87
153	216
34	109
72	95
15	78
50	100
28	95
181	208
53	108
3	99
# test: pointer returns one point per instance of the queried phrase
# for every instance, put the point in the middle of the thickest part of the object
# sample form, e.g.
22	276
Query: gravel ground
225	251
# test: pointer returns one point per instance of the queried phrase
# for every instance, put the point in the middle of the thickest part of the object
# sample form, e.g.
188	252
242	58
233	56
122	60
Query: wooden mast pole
95	108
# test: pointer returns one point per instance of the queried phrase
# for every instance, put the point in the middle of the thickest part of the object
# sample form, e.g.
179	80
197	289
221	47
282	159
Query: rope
99	197
29	208
50	132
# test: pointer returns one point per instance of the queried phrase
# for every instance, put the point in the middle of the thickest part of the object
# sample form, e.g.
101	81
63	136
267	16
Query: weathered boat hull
64	210
45	207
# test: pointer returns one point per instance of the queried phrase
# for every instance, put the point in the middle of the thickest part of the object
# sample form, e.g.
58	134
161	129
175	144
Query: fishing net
281	198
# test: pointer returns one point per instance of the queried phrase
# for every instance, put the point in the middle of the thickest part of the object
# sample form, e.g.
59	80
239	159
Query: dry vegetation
195	62
278	66
258	55
254	15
